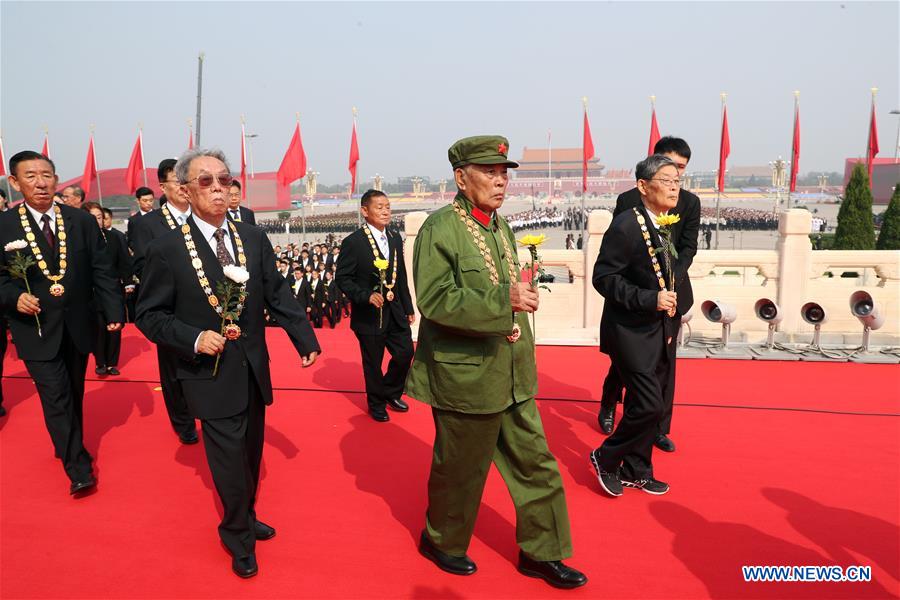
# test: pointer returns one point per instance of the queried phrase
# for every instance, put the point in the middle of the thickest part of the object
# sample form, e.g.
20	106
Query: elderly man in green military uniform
475	366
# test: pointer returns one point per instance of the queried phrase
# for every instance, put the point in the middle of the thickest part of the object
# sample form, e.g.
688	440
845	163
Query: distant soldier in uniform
475	366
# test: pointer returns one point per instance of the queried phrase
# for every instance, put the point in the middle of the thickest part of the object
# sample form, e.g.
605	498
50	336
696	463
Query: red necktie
48	231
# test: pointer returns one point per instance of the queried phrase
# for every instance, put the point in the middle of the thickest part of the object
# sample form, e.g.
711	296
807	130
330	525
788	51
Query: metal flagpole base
813	355
764	353
874	358
730	353
689	352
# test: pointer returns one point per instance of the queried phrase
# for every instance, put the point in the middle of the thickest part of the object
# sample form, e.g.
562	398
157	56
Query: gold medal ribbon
201	274
56	288
389	287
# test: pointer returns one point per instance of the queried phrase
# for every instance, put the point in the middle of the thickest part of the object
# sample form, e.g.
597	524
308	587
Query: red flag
795	148
190	138
587	148
872	146
2	159
135	168
46	149
654	133
90	169
293	165
354	158
724	150
243	165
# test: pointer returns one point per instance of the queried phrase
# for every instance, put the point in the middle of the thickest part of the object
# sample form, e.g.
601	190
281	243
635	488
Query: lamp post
896	111
779	168
250	137
443	188
311	177
379	180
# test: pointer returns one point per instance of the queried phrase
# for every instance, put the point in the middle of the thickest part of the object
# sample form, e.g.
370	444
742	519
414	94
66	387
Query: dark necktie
222	252
48	231
236	215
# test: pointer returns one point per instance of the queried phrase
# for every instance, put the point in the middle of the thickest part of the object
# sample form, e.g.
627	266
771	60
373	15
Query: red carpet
777	464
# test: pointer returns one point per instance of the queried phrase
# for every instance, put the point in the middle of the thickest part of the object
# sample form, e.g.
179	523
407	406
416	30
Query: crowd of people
331	223
742	219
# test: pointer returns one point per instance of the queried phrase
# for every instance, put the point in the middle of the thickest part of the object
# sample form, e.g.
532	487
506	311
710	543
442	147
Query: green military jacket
463	361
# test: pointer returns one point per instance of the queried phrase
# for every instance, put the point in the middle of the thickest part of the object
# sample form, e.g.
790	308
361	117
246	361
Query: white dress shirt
209	234
51	212
380	239
180	217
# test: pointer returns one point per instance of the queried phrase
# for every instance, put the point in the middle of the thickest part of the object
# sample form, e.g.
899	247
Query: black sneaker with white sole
608	481
649	485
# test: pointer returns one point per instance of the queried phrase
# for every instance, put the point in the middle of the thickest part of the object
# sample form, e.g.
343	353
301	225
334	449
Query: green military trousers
464	447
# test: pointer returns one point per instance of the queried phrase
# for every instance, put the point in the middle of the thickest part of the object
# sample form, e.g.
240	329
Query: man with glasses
223	371
638	328
684	238
236	212
155	224
73	196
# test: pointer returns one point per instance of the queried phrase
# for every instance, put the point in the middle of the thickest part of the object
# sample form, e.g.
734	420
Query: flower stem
219	355
36	318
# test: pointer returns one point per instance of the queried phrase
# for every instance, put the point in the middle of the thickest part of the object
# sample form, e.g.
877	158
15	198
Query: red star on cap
502	149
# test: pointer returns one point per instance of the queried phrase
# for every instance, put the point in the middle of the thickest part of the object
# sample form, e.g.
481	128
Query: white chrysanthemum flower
15	245
237	274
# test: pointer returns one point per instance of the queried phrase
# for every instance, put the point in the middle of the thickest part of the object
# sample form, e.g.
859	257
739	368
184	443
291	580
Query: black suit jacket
132	220
357	277
117	246
146	229
631	328
172	310
317	296
89	275
684	237
302	293
247	215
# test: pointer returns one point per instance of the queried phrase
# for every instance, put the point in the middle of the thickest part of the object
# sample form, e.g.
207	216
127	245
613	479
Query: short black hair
235	183
2	194
672	144
142	191
27	155
87	206
367	197
166	166
106	212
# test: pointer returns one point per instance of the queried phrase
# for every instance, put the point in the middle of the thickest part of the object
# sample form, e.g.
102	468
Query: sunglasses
206	180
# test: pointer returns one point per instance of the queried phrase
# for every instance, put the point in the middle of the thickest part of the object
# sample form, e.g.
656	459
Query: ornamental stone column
794	259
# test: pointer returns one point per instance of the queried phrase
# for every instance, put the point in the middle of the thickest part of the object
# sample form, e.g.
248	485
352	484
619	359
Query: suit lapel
655	240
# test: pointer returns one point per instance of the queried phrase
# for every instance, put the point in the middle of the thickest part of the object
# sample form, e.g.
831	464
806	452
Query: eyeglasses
667	182
206	180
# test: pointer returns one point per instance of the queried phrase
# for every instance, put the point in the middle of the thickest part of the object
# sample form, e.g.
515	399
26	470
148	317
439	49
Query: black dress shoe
112	371
189	437
263	532
82	486
458	565
607	418
397	404
100	371
663	442
379	414
244	566
553	572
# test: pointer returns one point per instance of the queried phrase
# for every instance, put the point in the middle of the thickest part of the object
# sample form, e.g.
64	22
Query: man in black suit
332	300
144	197
72	267
684	238
108	344
382	315
316	299
155	224
236	212
225	378
638	328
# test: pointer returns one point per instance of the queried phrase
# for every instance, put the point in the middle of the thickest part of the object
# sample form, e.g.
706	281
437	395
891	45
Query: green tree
855	224
889	238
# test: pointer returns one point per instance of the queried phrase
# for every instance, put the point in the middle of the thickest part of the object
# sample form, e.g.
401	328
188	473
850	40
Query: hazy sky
425	73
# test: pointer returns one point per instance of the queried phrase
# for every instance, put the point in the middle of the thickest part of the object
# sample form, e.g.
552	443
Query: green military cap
480	150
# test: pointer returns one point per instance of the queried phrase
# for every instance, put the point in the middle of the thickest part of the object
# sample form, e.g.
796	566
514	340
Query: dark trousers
612	393
107	347
234	447
181	419
315	316
60	386
381	387
631	444
130	301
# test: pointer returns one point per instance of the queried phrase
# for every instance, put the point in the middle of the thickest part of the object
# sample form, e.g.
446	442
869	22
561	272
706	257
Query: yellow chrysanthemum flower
667	220
532	240
381	264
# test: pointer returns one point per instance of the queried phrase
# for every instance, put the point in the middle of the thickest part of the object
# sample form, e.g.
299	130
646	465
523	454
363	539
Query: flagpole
245	186
549	165
584	244
350	194
8	190
143	164
302	203
721	175
96	170
870	157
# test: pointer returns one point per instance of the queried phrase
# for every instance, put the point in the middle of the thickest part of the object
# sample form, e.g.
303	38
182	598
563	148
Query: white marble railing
790	275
